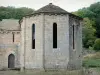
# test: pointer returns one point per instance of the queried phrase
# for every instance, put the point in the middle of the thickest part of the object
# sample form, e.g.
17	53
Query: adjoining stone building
51	38
9	43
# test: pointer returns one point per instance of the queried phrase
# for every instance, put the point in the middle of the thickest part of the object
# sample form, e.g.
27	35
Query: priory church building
50	38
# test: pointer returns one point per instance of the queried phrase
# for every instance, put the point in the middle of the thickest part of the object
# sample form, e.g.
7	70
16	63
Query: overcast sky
68	5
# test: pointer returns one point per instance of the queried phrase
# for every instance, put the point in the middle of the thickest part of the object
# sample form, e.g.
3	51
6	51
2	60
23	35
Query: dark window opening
73	38
54	35
13	37
11	61
33	36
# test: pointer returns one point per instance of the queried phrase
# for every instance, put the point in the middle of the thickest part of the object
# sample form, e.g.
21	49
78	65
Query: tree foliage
96	9
85	12
97	44
12	12
91	28
88	33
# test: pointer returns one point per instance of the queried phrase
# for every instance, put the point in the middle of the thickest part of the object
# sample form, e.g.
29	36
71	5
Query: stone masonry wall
7	47
44	55
32	58
56	58
75	54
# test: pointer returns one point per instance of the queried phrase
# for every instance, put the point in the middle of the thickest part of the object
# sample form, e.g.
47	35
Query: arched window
13	37
33	36
54	35
11	61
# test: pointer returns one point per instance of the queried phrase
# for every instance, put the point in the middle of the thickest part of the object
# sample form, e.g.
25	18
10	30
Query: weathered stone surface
44	55
19	42
7	45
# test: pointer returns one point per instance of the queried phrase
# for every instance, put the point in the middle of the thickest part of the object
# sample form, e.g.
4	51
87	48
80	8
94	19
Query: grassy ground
76	72
92	61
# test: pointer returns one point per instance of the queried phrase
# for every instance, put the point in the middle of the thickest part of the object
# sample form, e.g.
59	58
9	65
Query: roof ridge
50	8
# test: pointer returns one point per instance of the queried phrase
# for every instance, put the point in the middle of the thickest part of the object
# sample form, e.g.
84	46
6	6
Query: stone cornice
2	31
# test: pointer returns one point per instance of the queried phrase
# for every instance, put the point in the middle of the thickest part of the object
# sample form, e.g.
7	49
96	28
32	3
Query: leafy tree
96	9
88	33
85	12
97	44
91	28
12	12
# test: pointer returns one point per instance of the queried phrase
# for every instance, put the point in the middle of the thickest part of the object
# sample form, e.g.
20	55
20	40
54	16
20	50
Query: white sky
68	5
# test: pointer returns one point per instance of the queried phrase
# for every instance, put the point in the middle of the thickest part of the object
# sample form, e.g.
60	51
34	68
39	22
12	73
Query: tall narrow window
13	37
54	35
33	36
73	38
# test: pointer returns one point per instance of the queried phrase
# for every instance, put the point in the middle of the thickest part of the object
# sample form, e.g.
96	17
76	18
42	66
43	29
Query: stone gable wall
7	47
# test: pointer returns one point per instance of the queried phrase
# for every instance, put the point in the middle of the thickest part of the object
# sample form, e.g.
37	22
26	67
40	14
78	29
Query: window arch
11	61
54	35
33	36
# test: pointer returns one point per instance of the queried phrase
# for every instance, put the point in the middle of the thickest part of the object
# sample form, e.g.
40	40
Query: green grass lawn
92	61
75	72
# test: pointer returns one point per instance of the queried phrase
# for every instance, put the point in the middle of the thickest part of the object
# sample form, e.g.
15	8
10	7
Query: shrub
97	44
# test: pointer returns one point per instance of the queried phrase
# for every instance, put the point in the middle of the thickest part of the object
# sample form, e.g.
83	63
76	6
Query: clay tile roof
50	8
